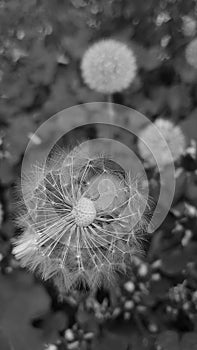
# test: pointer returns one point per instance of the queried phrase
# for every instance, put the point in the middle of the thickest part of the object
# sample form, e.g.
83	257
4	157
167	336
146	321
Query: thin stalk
111	112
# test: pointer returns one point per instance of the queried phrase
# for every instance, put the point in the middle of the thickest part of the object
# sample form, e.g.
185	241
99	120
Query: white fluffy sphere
108	66
171	133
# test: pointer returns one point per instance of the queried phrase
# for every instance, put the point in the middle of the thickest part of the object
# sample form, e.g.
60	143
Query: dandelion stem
111	112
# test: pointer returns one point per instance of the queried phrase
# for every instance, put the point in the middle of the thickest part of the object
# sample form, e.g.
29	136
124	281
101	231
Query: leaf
168	340
4	341
17	136
191	188
76	47
110	341
189	125
191	251
148	59
178	98
187	73
61	96
173	262
181	179
52	324
42	64
189	341
158	289
7	173
87	320
21	299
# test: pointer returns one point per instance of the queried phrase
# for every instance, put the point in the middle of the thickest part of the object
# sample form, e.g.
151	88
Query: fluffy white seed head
108	66
191	53
172	134
83	221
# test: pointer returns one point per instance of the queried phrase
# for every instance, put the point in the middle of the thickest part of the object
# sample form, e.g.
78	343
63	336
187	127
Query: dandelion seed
162	18
173	135
143	270
50	347
129	305
88	336
153	328
73	346
69	335
127	316
108	66
75	232
156	276
129	286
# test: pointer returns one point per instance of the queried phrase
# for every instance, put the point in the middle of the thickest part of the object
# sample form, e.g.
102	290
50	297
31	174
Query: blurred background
41	47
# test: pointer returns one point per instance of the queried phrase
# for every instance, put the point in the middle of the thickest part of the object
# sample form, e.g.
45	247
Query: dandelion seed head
191	53
172	134
83	220
84	212
108	66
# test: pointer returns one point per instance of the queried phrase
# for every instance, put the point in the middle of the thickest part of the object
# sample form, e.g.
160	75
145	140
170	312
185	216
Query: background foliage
41	45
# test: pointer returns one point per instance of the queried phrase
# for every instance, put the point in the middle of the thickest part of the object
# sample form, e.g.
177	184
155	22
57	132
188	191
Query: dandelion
173	135
108	66
191	53
83	220
189	25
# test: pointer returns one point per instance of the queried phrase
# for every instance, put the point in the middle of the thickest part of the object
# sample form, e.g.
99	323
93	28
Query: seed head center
84	212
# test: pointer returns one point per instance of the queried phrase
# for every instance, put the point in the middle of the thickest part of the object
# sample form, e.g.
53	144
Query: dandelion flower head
83	221
173	135
108	66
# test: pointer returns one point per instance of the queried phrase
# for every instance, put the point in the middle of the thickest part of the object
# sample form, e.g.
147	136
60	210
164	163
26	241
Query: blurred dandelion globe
172	134
188	25
108	66
83	222
1	214
191	53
